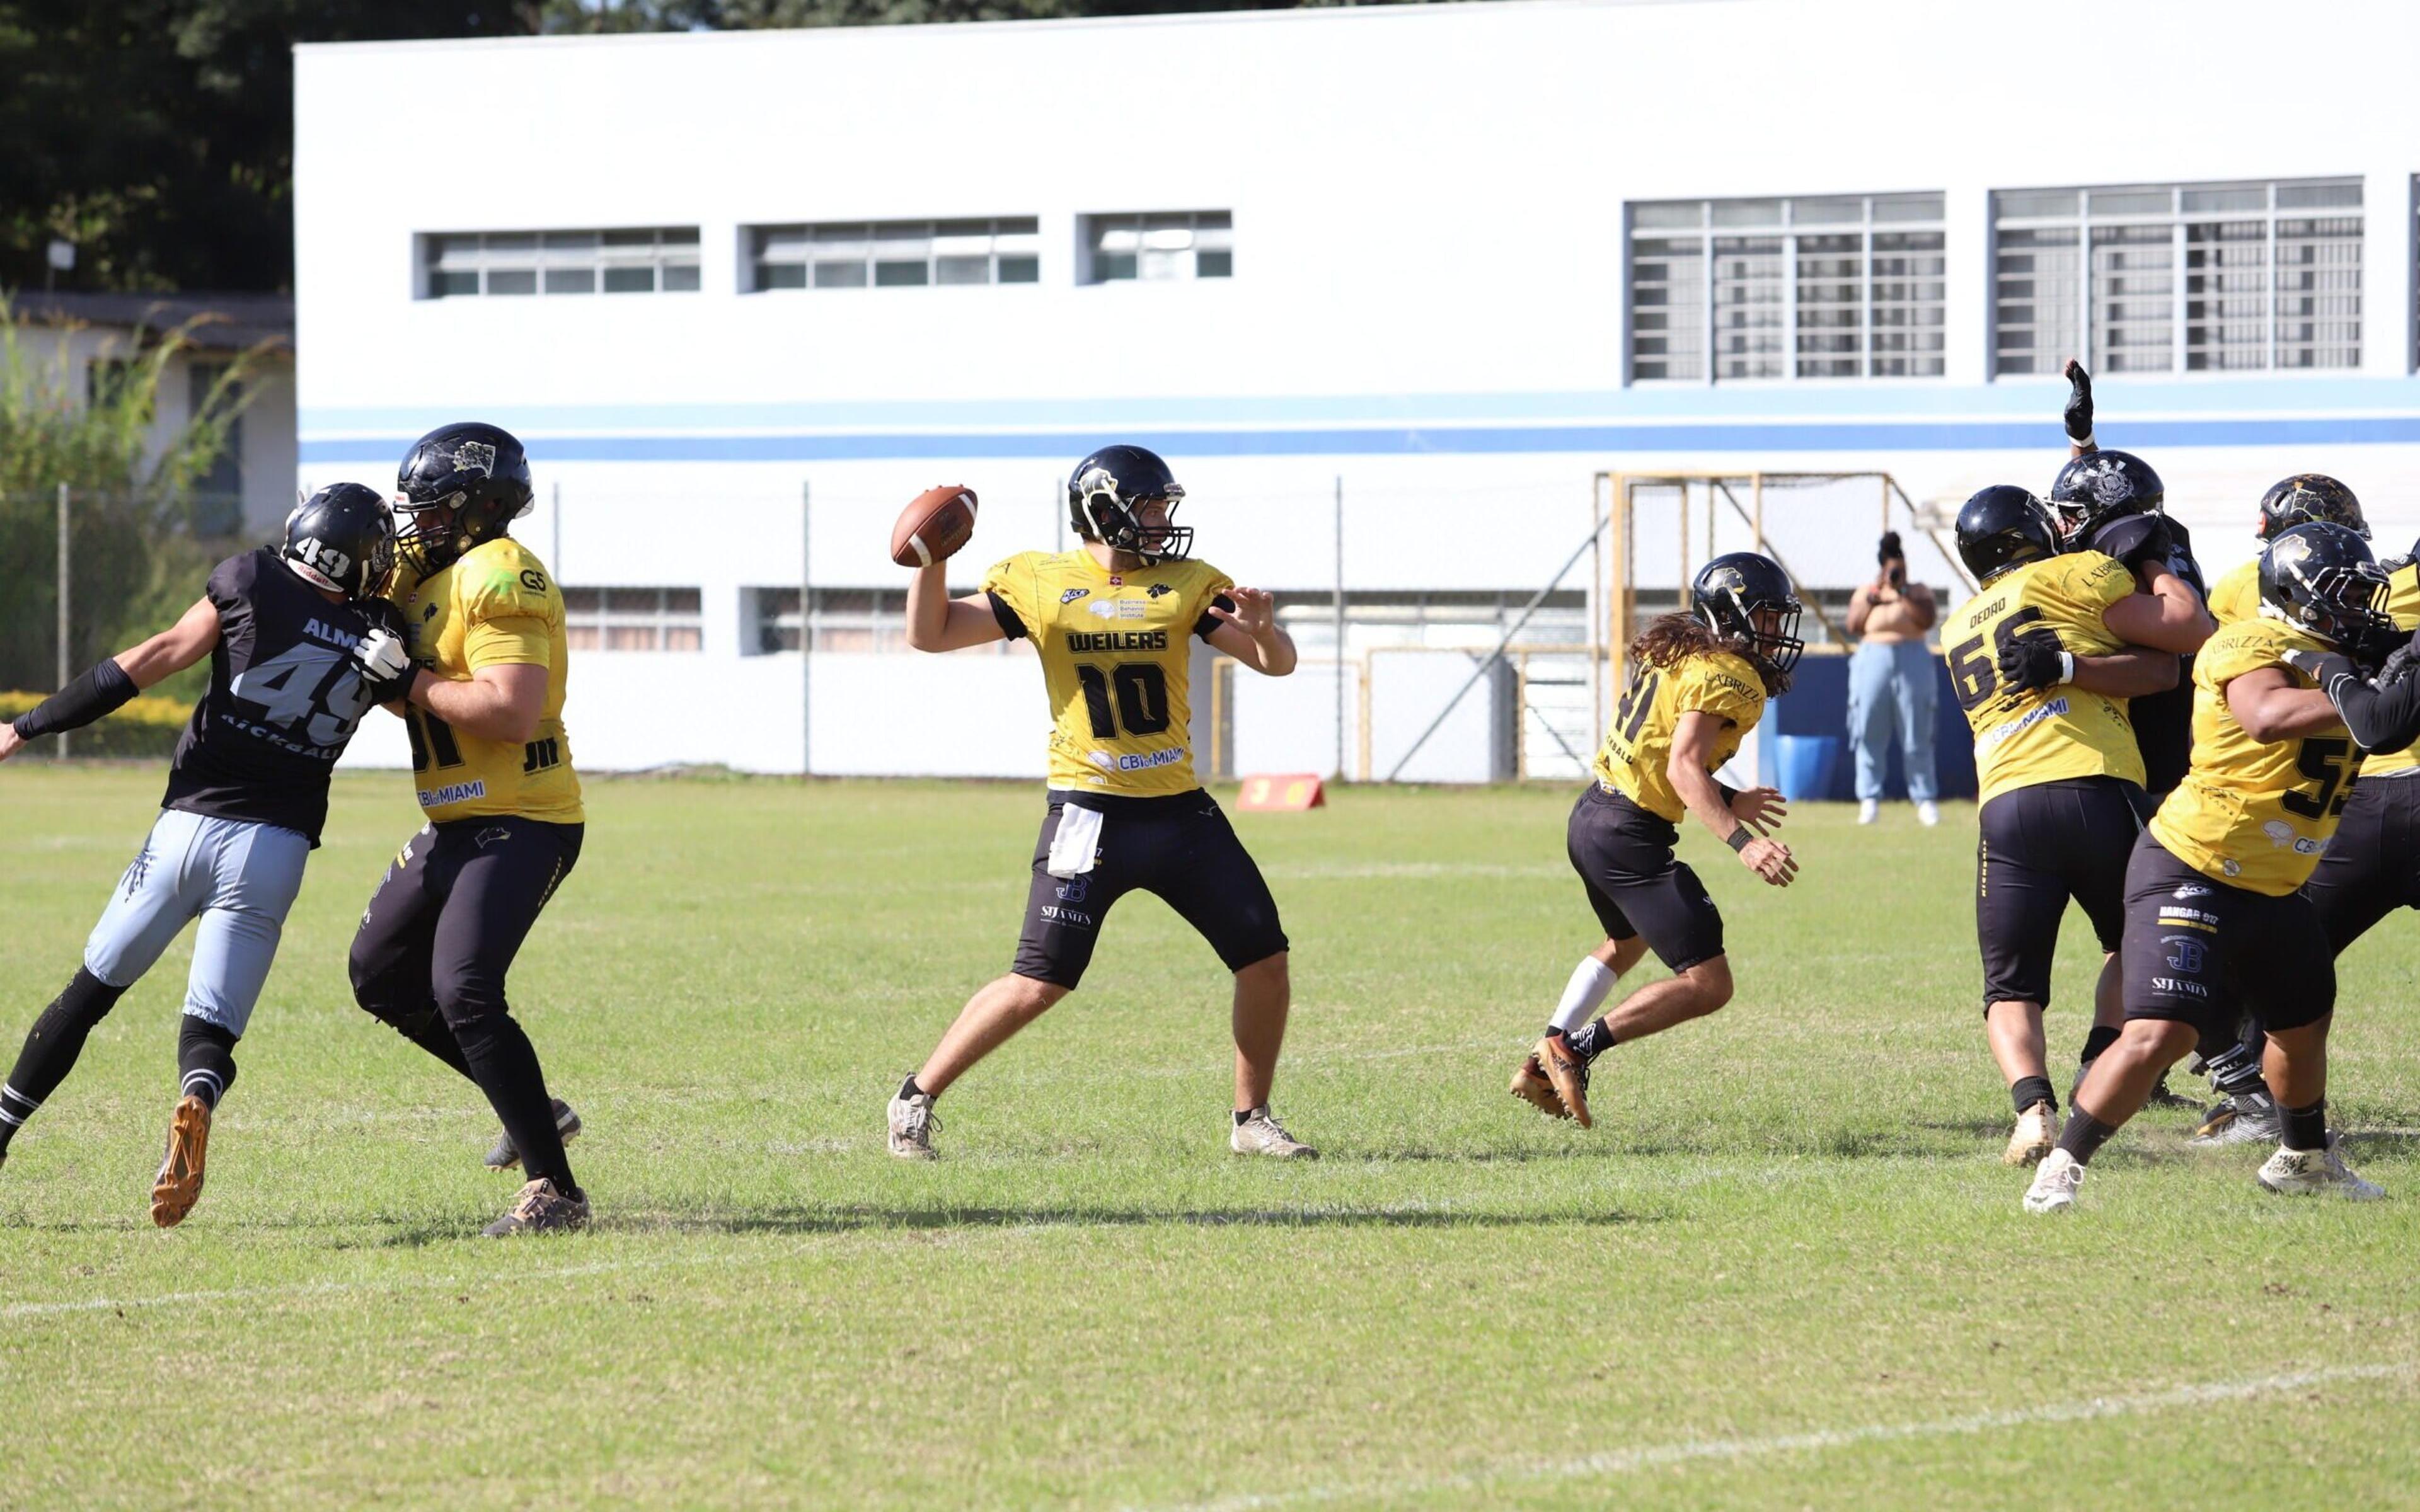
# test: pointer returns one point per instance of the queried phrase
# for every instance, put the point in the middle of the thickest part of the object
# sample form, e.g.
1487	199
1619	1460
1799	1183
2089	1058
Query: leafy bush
144	727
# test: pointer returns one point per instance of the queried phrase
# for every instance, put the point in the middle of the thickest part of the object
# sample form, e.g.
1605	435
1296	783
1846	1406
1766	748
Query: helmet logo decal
2109	485
474	457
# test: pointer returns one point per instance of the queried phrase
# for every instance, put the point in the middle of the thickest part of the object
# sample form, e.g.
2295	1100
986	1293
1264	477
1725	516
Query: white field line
1624	1461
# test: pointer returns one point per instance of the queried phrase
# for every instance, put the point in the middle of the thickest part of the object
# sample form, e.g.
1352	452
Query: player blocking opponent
1112	619
1698	682
2043	660
2215	920
492	768
301	647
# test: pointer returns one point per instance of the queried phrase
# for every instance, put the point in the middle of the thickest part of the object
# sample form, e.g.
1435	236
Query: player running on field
300	648
492	768
1112	621
1698	683
2044	659
2214	917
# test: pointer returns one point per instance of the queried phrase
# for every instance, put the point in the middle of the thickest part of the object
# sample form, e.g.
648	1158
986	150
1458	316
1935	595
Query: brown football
934	526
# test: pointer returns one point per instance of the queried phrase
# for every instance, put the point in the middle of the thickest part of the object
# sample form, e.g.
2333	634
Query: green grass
1791	1220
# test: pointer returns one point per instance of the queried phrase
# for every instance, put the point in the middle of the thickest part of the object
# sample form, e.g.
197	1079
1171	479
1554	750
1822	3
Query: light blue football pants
238	878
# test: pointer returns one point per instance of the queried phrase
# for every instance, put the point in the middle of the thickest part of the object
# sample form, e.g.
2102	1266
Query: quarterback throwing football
1112	621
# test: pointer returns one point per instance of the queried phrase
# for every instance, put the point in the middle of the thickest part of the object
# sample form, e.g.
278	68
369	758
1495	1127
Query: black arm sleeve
1209	621
100	689
1010	626
2379	721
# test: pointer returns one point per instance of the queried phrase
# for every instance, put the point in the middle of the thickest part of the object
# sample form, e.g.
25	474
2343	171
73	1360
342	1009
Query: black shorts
2040	846
2201	953
451	913
2372	866
1181	850
1624	856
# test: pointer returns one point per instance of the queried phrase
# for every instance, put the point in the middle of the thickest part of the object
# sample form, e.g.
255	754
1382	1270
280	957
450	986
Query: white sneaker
1261	1134
1928	814
2054	1182
2036	1136
1869	810
912	1125
2302	1172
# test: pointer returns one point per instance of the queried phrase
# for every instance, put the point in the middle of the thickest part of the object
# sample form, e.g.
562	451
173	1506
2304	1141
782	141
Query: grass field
1787	1268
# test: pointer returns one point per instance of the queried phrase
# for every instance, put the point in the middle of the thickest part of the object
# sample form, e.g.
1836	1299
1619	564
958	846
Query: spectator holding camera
1891	684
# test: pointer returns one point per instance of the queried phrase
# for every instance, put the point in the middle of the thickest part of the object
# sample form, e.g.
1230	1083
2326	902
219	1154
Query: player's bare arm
936	622
1249	632
502	703
2167	616
1693	742
2270	707
172	650
2134	672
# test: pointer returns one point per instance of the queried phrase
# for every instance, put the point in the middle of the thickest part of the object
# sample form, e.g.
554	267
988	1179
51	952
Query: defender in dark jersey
300	650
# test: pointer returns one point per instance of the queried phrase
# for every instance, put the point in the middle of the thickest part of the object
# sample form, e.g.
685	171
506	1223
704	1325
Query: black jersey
2162	721
286	695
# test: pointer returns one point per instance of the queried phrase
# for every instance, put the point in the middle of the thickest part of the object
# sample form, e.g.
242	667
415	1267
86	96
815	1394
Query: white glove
384	657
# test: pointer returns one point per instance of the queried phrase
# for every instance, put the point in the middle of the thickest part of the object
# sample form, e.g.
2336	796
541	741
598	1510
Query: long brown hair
1671	640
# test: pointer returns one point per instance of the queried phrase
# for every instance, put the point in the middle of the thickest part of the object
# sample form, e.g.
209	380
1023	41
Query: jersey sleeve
2245	646
2403	596
1717	689
509	611
1214	591
1010	586
2236	596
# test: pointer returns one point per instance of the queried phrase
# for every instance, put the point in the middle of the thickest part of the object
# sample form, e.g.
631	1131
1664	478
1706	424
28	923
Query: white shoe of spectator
1869	810
1928	814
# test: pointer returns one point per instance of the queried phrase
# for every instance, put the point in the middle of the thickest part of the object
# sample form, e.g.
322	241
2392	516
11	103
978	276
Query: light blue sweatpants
1892	685
238	877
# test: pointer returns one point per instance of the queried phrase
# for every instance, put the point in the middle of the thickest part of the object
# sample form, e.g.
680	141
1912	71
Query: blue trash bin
1809	764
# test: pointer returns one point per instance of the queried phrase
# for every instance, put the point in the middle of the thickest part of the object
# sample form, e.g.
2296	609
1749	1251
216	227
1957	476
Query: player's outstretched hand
11	742
1761	808
2078	413
1255	612
1769	860
386	665
2033	661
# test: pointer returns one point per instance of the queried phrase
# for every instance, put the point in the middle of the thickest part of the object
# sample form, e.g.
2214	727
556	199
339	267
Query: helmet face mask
1746	601
2321	578
1110	498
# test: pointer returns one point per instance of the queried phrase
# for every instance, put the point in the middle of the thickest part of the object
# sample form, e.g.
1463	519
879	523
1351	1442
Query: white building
1460	257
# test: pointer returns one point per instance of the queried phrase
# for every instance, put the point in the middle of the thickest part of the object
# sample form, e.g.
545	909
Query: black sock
2100	1039
909	1088
504	1064
2029	1090
205	1060
1590	1040
52	1047
2305	1127
1246	1114
2083	1136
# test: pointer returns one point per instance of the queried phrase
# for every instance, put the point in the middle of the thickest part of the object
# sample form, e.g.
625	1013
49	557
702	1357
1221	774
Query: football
934	526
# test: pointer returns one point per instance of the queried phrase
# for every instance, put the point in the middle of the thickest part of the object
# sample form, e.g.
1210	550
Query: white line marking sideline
1622	1462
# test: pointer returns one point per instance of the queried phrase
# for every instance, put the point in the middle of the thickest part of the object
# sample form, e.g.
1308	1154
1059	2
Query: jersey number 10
1140	705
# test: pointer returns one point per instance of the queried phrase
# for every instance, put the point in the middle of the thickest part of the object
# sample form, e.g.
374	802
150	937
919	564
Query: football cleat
2163	1096
1529	1084
1568	1073
2246	1118
913	1127
2035	1136
2302	1172
504	1157
542	1208
1261	1134
2054	1182
178	1185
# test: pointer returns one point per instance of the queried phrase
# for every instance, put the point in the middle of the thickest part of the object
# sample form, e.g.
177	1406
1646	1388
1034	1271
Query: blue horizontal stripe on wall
1417	441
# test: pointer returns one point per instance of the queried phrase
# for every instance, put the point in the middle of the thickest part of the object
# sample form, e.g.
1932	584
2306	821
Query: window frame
558	255
590	618
1009	240
1218	226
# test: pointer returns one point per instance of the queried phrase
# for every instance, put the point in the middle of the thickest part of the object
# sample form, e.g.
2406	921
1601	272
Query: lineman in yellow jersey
2043	660
492	768
2215	920
1698	683
1113	623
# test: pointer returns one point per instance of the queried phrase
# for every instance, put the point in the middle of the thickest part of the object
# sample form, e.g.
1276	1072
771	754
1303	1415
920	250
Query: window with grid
2169	278
218	493
633	618
895	253
648	260
1164	244
1842	287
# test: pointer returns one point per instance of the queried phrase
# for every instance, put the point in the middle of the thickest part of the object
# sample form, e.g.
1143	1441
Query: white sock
1591	983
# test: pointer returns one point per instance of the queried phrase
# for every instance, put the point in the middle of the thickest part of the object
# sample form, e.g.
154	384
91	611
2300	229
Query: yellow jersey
2236	596
495	606
2052	733
2254	814
2403	605
1638	746
1117	662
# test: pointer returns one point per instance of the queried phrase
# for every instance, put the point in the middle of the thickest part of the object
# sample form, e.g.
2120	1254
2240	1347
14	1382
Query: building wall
1427	301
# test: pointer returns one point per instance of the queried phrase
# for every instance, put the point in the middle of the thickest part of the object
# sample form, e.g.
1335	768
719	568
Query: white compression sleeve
1591	983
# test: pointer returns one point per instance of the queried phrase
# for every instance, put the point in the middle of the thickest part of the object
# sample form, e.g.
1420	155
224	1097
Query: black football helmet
2321	578
458	485
2004	526
1104	491
1728	594
2102	485
2306	497
341	538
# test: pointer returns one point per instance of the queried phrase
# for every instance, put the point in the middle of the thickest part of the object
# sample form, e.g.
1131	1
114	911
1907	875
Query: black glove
2322	666
2029	663
2078	413
2399	664
2155	543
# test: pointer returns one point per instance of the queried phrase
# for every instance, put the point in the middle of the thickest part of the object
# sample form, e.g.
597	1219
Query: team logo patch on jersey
1158	588
1071	594
533	580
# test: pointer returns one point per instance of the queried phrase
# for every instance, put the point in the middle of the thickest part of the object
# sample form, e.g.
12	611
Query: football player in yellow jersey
2044	659
2290	502
2215	917
1698	683
1113	620
492	768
